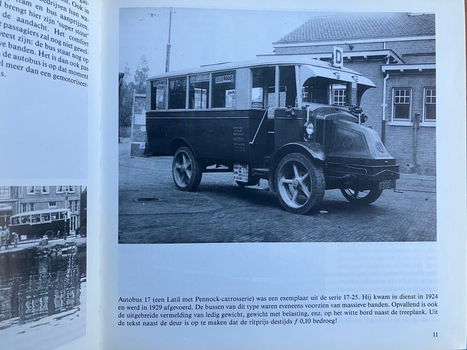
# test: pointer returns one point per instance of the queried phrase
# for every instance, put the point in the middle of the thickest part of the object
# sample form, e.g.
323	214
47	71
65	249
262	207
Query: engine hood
344	138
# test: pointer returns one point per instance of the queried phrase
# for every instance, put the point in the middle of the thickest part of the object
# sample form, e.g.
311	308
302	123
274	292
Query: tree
141	75
125	100
128	88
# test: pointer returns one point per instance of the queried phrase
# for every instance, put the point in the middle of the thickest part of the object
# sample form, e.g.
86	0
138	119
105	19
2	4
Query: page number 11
435	334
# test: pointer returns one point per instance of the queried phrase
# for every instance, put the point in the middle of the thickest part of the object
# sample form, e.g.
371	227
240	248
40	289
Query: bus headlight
310	129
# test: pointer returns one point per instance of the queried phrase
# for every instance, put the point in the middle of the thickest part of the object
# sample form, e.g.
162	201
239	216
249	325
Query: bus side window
177	93
288	88
158	94
223	90
199	91
262	79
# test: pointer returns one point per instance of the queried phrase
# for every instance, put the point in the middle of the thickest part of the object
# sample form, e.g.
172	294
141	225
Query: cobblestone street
151	210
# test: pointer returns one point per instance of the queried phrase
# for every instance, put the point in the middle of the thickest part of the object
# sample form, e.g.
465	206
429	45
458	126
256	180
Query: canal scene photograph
42	265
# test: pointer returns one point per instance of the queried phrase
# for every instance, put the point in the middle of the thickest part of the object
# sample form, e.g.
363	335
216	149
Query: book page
45	52
285	173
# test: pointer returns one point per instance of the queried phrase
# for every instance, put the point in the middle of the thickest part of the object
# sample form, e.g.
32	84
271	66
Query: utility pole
167	59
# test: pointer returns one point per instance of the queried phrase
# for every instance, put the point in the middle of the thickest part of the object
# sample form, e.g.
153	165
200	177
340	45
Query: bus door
273	91
286	117
262	98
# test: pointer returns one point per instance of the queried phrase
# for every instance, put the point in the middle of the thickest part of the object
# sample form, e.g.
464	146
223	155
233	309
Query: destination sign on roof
225	78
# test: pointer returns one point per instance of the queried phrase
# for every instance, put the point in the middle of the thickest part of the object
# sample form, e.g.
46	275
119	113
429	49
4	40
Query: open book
260	176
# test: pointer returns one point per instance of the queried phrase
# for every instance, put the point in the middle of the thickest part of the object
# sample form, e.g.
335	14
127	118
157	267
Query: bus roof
318	66
45	211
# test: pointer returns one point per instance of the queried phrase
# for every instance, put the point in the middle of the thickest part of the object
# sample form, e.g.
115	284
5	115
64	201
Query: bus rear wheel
300	184
186	170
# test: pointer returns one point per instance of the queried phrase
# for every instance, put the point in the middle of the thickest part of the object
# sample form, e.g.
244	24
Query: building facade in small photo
397	52
41	199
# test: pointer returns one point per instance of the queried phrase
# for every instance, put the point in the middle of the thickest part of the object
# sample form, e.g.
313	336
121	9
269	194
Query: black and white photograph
42	265
276	126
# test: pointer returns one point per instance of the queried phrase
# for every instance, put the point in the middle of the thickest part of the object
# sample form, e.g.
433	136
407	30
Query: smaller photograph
42	265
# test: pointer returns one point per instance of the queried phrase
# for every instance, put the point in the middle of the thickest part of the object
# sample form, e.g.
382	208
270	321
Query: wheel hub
295	183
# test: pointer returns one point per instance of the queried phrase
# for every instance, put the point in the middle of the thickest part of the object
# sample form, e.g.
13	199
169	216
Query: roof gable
348	26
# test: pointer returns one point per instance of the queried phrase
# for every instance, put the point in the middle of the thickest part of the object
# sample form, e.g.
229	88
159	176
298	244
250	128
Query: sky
200	36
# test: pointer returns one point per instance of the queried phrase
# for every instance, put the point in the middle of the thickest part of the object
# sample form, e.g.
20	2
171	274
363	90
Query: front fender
311	149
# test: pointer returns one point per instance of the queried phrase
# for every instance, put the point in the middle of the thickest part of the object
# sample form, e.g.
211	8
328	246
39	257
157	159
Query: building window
4	192
429	112
339	96
73	206
223	90
158	94
199	91
402	100
52	204
24	207
65	189
177	93
30	206
37	189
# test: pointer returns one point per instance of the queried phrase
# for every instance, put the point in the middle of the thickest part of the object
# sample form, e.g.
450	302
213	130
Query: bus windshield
325	91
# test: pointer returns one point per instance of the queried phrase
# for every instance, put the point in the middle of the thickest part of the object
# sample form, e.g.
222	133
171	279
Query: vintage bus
295	122
54	223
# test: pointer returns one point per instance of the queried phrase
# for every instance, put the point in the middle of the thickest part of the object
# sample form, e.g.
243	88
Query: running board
263	172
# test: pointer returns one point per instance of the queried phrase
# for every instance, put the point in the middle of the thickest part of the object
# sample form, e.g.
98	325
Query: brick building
9	196
397	52
20	199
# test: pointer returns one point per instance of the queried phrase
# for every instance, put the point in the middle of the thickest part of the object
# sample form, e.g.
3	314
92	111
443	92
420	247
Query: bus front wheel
300	183
186	170
362	197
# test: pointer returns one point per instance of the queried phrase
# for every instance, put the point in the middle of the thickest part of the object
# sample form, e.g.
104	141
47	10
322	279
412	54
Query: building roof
348	26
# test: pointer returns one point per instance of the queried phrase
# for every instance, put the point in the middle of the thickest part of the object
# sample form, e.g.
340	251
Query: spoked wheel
362	197
186	170
300	184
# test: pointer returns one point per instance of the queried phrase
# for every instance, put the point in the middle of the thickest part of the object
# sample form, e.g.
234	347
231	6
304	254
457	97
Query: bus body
293	122
54	223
